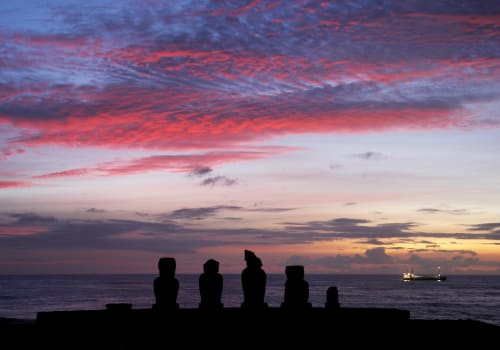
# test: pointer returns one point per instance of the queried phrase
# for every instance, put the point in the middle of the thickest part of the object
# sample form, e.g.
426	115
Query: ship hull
425	278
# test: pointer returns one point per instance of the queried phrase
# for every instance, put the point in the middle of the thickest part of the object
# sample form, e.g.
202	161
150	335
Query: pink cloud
65	173
8	152
21	230
176	163
9	184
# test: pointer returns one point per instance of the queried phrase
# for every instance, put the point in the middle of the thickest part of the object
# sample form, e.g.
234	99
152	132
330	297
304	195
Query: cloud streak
198	164
218	181
370	155
175	231
443	211
13	184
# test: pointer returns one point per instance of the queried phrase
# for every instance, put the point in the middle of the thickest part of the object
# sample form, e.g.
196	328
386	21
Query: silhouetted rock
119	307
166	286
233	328
332	299
253	280
296	289
210	284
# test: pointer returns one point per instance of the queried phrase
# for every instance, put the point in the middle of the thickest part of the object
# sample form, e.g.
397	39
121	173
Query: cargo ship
411	276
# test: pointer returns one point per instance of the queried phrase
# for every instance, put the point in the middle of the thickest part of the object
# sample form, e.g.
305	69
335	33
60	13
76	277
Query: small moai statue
332	299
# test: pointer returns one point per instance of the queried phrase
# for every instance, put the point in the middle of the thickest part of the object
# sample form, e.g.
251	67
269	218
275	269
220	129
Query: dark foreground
234	328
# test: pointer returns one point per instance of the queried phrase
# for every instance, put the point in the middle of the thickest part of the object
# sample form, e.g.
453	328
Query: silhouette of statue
253	281
332	299
210	283
296	288
166	286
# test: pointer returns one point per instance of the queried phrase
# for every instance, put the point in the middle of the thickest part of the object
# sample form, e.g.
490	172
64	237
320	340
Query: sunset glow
353	137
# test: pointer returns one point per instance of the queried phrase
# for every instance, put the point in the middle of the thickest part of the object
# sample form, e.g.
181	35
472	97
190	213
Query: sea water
460	297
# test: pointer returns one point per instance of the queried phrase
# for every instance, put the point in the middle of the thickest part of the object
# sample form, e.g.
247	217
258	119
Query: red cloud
192	118
190	131
9	184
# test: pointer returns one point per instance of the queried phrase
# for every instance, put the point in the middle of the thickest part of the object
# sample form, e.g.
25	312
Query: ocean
460	297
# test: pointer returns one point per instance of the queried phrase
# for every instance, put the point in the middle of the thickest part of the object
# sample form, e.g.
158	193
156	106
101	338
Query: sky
346	136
